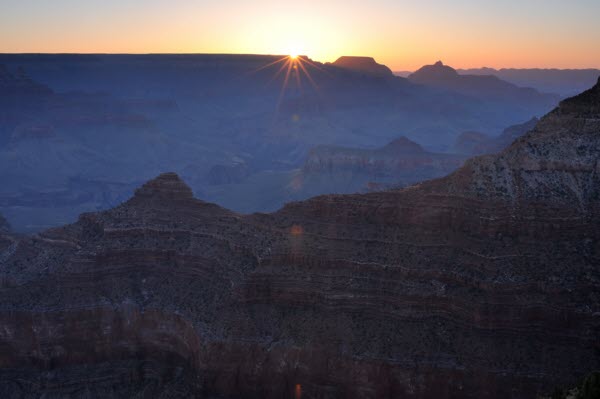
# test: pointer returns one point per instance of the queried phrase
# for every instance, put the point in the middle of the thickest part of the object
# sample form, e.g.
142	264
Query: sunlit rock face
483	284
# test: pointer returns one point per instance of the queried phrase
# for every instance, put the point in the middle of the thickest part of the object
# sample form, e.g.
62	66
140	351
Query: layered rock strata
483	284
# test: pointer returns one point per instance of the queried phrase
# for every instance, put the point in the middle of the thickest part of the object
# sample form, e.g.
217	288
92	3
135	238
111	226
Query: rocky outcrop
365	65
483	284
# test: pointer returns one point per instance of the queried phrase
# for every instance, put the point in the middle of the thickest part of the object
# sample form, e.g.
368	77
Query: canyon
481	284
79	132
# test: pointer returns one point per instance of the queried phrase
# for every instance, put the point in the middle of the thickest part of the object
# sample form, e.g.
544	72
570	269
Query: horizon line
285	55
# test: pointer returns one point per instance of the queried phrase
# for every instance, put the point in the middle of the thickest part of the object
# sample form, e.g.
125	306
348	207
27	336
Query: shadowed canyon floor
482	284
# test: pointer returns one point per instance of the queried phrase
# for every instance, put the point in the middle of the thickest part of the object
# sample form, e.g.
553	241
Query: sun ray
309	62
285	83
301	67
278	72
268	65
308	76
297	75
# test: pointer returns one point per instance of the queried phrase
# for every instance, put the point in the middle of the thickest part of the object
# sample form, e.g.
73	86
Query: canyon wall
482	284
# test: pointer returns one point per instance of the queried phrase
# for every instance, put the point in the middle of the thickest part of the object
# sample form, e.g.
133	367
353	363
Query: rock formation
482	284
123	119
366	65
400	163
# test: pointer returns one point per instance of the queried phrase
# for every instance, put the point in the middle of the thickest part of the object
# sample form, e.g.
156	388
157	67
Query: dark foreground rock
483	284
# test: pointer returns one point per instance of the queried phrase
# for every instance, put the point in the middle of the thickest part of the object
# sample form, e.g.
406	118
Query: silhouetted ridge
366	65
565	82
480	86
436	71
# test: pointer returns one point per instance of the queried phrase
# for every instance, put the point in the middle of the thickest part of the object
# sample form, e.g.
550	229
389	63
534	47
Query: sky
401	34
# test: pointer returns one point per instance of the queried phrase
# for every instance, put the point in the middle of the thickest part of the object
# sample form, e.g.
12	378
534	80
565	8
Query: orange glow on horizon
401	35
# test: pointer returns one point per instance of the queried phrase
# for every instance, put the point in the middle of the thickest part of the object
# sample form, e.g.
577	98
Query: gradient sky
402	34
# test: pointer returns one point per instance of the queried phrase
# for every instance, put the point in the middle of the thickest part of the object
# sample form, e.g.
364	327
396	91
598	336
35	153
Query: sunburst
294	68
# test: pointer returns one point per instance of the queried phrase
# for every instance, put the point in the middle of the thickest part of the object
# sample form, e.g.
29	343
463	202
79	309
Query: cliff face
483	284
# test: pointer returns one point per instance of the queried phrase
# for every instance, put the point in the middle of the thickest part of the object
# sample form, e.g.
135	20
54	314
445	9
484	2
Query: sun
294	50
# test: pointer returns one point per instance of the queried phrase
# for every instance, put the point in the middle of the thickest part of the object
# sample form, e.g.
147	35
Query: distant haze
400	34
